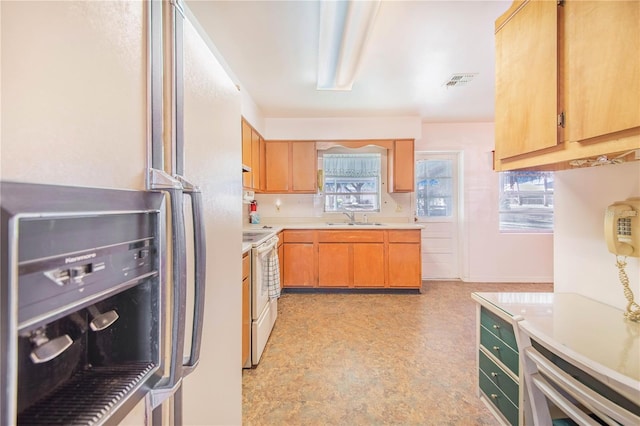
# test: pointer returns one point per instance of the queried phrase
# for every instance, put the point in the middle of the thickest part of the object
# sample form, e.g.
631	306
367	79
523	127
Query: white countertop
592	334
334	225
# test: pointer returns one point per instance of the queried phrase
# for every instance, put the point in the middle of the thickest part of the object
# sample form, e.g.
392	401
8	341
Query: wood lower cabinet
335	265
300	259
352	259
369	265
281	257
405	264
246	315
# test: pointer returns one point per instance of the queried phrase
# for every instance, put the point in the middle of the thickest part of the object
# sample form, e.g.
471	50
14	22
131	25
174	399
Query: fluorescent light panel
344	29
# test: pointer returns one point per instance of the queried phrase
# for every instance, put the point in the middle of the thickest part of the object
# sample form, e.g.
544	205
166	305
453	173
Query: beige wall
487	254
582	262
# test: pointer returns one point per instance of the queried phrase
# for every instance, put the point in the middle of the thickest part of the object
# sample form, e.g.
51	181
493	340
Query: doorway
437	205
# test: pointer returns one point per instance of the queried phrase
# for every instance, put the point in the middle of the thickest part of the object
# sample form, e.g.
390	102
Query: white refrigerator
77	89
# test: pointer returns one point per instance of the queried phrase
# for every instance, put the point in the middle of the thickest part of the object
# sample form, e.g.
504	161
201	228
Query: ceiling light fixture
345	26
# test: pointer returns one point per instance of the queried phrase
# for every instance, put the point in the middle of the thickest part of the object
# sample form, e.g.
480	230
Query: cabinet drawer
245	266
299	236
498	399
499	378
402	236
351	236
501	328
500	350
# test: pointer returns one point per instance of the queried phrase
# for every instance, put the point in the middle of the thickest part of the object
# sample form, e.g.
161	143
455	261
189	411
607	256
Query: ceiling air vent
460	79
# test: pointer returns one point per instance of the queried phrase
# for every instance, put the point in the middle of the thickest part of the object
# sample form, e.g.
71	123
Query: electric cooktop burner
252	237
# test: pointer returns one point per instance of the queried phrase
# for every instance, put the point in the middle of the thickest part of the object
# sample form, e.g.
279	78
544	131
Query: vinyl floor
372	359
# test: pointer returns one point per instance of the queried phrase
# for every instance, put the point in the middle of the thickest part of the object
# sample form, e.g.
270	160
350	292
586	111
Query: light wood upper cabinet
252	157
247	177
526	79
255	157
276	167
598	80
290	166
401	166
304	167
603	64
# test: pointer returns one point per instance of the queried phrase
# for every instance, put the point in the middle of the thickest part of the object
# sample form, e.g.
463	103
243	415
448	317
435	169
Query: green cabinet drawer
501	328
499	378
498	399
500	350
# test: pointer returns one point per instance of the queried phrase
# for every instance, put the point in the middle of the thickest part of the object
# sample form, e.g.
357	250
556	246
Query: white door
436	206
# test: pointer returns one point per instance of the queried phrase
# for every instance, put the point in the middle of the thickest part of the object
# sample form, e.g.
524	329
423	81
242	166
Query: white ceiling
415	47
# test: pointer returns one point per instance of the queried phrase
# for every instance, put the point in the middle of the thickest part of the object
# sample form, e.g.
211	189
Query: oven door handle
268	246
200	266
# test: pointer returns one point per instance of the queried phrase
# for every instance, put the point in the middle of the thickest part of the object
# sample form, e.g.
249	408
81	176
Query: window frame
452	157
546	193
378	183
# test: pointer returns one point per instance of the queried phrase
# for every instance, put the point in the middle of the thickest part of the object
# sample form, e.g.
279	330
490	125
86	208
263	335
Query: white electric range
264	309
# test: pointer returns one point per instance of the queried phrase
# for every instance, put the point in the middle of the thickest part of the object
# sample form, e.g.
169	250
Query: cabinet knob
494	396
496	348
496	326
494	374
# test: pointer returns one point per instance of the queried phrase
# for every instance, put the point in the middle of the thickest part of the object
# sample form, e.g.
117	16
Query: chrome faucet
351	216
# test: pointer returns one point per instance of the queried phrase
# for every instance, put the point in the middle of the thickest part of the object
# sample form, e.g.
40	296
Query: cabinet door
603	67
334	265
277	166
304	169
247	177
403	165
299	260
526	111
404	265
281	258
368	265
255	159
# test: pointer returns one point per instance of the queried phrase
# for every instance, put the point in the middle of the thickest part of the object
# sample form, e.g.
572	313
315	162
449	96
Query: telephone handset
622	227
622	233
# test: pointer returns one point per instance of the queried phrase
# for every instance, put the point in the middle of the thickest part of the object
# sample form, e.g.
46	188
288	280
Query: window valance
351	165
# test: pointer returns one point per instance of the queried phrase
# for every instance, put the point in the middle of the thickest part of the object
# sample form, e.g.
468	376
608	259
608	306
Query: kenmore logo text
77	258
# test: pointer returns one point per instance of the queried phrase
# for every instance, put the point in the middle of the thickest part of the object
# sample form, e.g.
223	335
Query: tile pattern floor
372	359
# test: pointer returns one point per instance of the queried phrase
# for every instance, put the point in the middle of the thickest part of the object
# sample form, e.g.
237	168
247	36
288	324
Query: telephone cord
633	309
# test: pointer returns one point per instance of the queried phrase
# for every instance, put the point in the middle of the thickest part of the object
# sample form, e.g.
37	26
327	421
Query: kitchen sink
355	224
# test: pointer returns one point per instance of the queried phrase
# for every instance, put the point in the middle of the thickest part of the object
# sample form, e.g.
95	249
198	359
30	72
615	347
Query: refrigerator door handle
200	265
161	181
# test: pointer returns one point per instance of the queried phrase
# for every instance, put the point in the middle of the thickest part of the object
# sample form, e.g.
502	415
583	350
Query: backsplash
298	208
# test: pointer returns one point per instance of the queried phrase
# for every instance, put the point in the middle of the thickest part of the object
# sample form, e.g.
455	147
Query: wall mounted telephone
622	233
622	227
